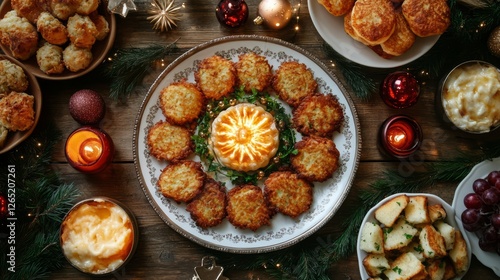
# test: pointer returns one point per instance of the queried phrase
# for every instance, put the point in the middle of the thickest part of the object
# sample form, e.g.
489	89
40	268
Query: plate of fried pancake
380	33
283	206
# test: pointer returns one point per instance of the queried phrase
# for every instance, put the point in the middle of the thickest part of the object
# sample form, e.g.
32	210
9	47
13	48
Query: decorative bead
232	13
233	102
221	104
209	107
281	124
263	101
261	174
211	114
276	159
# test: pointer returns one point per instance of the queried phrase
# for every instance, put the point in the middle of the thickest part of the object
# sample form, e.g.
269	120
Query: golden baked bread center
244	137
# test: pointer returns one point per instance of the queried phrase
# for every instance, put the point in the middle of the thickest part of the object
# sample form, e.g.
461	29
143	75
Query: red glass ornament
400	90
400	136
89	149
3	207
232	13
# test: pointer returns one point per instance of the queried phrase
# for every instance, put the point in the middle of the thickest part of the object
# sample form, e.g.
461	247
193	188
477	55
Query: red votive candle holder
400	90
89	149
400	136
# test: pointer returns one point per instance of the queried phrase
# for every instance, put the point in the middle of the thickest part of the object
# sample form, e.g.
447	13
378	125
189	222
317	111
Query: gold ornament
164	14
274	13
494	42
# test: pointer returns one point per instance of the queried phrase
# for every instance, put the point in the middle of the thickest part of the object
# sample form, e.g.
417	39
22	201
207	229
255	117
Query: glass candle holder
400	136
400	90
89	149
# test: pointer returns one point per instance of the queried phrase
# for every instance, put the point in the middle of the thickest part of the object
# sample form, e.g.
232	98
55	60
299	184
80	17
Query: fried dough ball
247	208
63	9
12	77
51	29
317	158
86	7
50	59
288	194
401	40
293	81
208	209
318	114
76	59
216	77
182	181
169	142
16	111
427	17
373	20
254	72
181	102
82	31
337	7
29	9
101	24
19	35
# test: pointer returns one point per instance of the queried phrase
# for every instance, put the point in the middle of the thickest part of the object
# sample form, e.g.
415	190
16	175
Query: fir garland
41	201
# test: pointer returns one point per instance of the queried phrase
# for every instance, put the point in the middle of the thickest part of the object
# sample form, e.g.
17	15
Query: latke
247	208
401	40
216	77
19	35
288	194
181	102
169	142
317	158
337	7
253	72
182	181
293	81
350	31
373	20
16	111
208	208
12	77
427	17
318	114
51	29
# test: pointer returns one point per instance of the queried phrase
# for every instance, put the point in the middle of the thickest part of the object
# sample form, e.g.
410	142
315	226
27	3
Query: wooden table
164	254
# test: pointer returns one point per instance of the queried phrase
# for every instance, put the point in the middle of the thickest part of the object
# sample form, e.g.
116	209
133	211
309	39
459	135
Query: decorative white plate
283	231
481	170
331	29
451	219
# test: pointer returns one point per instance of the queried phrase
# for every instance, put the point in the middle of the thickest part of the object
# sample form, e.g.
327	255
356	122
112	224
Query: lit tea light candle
400	136
89	149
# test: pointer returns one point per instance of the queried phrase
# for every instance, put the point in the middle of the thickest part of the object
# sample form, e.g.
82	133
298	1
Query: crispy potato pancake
337	7
350	31
318	114
401	40
208	209
169	142
16	111
216	77
253	72
287	193
182	181
317	158
181	102
373	20
247	208
293	81
427	17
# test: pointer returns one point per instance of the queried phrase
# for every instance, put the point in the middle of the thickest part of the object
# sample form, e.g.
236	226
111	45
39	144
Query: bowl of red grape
477	206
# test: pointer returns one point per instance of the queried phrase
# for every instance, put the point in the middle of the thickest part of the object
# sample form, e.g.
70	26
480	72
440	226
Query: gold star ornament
164	14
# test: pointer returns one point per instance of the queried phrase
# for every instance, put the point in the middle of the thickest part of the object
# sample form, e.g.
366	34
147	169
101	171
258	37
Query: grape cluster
482	213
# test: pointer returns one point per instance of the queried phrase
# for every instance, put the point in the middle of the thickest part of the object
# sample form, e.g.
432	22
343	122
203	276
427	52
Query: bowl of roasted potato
412	236
57	40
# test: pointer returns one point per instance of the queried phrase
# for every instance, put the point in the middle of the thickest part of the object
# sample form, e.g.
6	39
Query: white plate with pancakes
331	29
283	230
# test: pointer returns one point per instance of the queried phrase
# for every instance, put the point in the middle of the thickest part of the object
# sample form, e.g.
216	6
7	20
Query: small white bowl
481	170
451	219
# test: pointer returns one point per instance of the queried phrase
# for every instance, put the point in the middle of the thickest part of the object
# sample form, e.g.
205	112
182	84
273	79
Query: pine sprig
129	66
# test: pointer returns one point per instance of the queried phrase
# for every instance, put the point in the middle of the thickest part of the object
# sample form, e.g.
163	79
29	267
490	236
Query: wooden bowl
14	138
99	50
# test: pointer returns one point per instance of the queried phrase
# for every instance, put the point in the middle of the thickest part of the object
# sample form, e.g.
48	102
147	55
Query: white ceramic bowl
451	219
481	170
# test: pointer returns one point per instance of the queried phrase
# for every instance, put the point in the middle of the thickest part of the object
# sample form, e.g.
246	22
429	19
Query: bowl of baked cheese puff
57	40
412	236
20	103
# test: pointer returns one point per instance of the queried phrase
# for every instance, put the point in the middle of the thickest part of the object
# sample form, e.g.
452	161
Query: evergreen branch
129	66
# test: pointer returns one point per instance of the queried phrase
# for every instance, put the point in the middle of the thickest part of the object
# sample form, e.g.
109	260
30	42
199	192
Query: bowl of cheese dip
98	235
470	97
